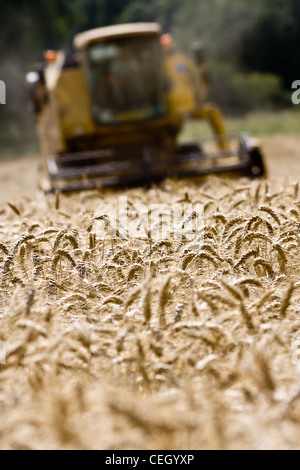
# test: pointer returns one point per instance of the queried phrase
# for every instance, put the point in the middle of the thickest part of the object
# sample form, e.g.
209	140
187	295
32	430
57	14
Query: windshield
125	79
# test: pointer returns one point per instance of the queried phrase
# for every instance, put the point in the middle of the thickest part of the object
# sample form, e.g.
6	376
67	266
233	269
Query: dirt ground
116	342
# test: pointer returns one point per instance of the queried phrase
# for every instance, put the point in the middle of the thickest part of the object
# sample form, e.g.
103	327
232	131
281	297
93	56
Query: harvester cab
111	113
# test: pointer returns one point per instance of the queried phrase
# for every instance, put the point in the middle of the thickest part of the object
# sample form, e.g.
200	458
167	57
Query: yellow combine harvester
111	113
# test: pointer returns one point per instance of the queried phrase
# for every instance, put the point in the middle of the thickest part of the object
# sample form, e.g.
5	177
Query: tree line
252	46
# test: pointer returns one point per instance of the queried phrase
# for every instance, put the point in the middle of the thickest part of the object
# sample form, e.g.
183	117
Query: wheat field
138	344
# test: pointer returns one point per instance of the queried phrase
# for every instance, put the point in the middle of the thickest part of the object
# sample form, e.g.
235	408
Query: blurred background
251	49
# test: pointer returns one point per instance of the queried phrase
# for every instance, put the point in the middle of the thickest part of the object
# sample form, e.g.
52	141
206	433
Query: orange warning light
166	40
50	56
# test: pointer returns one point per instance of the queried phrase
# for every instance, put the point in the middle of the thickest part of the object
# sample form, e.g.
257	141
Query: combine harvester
111	113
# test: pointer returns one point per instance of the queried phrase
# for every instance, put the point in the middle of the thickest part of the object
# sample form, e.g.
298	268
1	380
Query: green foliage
256	123
273	44
163	11
236	91
256	88
251	46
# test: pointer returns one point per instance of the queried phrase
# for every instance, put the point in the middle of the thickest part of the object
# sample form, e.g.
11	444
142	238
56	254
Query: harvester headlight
32	77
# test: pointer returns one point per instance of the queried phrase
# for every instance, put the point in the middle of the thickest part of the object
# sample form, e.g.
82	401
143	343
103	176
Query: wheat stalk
259	262
246	257
286	301
163	300
271	212
147	304
14	208
281	255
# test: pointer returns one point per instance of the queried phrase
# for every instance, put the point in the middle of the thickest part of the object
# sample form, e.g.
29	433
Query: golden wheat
125	343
